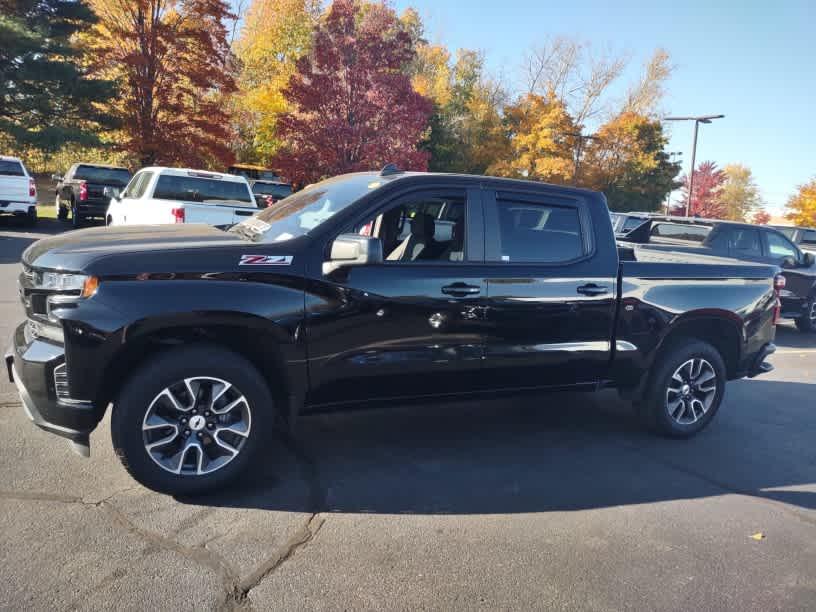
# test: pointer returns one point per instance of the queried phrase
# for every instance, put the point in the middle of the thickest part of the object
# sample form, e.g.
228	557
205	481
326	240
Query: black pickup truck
689	239
86	191
362	289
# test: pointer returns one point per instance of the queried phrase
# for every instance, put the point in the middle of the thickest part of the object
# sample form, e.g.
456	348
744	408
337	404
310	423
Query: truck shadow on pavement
549	454
15	237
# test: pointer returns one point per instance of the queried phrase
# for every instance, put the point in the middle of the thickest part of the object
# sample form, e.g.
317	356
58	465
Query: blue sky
752	60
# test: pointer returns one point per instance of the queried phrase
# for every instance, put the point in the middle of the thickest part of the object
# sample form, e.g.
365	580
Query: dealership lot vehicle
18	191
87	189
175	195
446	491
688	239
803	237
268	193
205	340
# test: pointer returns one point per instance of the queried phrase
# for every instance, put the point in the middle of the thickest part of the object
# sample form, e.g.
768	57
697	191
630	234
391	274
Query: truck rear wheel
685	390
191	420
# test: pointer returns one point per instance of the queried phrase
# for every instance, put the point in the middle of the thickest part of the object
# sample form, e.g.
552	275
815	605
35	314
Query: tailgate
211	214
14	188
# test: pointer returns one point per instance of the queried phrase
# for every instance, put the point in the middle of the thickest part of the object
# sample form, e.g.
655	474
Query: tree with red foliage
353	105
761	217
705	201
172	61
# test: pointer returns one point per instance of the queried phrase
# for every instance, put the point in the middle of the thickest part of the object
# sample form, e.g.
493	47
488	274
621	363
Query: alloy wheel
196	426
691	391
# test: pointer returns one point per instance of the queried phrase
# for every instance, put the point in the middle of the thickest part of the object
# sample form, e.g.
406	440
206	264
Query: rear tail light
32	188
83	191
178	215
778	284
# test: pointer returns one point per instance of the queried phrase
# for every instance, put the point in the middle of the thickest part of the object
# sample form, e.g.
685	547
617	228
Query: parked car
176	195
205	340
803	237
86	190
268	193
731	240
18	191
623	223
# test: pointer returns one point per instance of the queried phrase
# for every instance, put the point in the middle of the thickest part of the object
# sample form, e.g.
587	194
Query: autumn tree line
314	89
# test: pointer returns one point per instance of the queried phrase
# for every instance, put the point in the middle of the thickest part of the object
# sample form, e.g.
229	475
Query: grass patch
45	211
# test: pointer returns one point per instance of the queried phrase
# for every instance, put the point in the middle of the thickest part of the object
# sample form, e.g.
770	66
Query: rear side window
276	190
631	223
11	168
809	237
203	190
745	242
537	232
679	231
106	176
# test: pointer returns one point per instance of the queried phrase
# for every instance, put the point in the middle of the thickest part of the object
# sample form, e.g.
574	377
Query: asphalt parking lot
557	501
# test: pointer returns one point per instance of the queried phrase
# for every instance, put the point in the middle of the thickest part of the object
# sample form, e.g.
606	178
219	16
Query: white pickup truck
18	192
178	195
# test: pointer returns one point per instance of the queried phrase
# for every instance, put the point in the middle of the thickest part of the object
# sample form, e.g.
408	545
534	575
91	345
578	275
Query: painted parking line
803	351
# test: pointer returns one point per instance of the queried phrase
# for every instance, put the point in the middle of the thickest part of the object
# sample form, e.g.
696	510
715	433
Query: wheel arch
260	344
720	329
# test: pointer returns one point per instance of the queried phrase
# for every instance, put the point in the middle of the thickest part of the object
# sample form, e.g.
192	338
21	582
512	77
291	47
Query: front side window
202	190
11	168
137	185
541	233
779	247
809	237
428	228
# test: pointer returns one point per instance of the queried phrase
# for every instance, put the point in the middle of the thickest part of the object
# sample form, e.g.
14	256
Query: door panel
411	326
391	331
548	323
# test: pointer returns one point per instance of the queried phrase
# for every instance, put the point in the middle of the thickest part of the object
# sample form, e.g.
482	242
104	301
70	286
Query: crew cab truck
361	289
179	195
18	191
85	191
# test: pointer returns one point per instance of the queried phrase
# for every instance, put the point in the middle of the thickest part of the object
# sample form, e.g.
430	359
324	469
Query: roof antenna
390	169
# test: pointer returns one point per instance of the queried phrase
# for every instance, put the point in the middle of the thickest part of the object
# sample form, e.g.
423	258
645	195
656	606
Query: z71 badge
265	260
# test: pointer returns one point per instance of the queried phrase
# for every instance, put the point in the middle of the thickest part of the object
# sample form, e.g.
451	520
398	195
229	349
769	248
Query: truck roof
236	178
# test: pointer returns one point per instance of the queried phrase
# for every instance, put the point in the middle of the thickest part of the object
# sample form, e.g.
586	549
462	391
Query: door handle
592	289
244	213
460	289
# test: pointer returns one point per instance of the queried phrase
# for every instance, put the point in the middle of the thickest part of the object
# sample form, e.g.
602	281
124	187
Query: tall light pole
697	121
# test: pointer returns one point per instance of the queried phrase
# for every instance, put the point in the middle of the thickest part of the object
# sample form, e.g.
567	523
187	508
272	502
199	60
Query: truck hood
75	250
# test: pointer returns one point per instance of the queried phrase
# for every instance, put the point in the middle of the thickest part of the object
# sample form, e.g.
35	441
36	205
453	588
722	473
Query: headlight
58	281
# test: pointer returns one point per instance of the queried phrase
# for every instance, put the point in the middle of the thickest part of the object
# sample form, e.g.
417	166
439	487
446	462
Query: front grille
61	382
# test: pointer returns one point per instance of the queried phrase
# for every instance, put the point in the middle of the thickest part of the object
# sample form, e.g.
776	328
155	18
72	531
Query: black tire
76	216
654	407
163	371
62	210
108	221
807	322
31	217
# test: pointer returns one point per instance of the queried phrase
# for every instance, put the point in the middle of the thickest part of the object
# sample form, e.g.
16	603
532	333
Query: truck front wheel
191	420
685	390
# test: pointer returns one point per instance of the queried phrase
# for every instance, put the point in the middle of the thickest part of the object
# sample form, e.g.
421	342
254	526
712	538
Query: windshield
300	213
107	176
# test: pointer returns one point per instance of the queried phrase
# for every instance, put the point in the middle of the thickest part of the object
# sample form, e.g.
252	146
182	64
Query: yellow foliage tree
802	205
542	135
274	36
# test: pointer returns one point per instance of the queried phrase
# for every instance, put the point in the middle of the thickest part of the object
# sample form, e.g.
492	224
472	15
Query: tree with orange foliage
542	135
761	217
172	61
802	205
